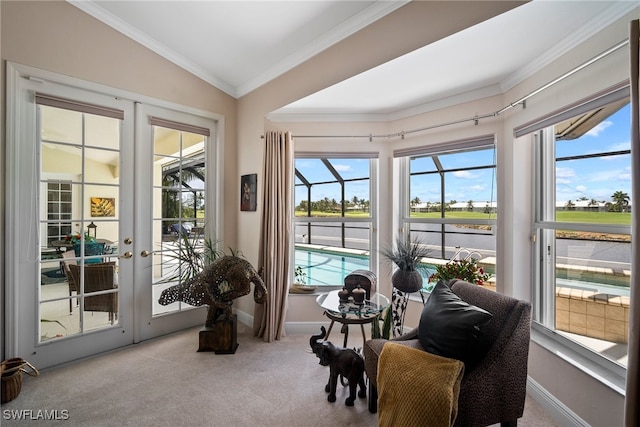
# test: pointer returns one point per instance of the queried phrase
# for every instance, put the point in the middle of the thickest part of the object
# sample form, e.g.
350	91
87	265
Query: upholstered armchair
494	390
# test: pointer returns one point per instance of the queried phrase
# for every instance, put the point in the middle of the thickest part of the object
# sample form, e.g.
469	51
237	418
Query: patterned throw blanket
417	388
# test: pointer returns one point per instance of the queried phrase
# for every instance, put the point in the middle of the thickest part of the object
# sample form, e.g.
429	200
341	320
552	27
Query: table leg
345	331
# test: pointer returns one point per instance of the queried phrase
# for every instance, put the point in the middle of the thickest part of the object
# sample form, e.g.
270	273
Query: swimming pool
326	268
329	268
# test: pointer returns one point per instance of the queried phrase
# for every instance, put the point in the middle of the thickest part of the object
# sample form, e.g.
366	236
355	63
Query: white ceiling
236	46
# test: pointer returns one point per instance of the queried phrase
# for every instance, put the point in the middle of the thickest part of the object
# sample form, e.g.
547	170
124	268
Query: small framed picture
248	192
103	206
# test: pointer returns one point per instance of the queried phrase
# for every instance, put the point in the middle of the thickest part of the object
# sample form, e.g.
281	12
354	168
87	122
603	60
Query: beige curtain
632	400
275	235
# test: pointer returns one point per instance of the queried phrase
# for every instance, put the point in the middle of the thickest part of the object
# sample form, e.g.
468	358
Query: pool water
326	268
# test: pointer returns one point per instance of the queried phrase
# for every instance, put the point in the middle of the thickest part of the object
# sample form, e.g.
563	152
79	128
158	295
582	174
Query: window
333	215
179	197
448	201
583	227
58	211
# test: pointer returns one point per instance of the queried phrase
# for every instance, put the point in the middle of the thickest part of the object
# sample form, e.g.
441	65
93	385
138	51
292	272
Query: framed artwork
248	192
103	206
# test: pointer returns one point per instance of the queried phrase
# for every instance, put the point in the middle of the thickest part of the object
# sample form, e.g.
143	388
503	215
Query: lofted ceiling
238	46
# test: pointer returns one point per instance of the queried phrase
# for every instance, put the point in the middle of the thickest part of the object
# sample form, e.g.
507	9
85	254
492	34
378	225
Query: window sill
608	373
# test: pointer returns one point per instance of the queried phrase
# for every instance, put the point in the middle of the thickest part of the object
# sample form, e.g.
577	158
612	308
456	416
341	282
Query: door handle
145	253
127	255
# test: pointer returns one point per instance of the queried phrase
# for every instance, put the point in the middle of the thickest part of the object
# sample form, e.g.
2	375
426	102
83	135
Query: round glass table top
330	301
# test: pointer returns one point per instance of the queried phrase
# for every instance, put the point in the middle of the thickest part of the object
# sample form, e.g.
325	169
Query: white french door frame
20	252
148	325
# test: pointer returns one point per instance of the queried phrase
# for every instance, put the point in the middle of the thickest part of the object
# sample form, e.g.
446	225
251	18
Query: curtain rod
476	118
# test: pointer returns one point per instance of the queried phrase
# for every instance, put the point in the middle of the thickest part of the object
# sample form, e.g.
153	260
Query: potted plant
190	255
464	269
407	256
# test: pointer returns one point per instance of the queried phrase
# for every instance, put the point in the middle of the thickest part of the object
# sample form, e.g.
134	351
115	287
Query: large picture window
583	226
333	216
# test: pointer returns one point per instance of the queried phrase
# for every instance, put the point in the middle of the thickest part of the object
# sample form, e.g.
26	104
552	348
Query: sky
596	178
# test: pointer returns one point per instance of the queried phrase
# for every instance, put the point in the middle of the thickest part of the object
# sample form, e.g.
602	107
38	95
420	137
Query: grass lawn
615	218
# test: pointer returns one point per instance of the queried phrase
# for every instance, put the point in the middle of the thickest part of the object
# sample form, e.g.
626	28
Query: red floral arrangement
77	237
464	269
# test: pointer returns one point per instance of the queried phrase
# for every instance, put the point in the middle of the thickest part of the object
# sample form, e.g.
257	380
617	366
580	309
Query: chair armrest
411	335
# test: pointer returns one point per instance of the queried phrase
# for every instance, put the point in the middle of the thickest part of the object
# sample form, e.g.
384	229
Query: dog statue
343	362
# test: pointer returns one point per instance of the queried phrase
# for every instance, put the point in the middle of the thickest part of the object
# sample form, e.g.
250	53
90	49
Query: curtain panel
275	235
632	395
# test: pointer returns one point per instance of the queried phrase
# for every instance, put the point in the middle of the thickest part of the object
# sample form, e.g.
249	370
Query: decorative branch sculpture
220	282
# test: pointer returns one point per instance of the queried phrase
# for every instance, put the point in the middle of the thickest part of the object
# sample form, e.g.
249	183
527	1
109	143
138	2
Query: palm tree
620	200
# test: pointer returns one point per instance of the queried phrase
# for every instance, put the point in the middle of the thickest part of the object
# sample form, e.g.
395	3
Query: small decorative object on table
358	295
344	295
343	362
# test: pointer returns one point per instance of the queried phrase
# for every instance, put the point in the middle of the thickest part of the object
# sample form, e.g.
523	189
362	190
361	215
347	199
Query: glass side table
350	313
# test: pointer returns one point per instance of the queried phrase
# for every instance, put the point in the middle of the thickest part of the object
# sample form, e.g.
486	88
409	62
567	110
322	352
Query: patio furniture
91	249
68	258
98	277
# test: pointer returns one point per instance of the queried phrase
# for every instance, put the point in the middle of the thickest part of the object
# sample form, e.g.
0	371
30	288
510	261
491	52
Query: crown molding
614	12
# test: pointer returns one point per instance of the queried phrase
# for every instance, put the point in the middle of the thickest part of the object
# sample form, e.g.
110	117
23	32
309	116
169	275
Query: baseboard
244	318
308	328
556	409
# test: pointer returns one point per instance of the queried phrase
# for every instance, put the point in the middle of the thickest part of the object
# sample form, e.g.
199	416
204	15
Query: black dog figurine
343	362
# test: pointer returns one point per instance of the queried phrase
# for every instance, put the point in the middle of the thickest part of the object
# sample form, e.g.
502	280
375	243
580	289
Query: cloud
464	175
564	173
608	176
621	146
342	168
599	128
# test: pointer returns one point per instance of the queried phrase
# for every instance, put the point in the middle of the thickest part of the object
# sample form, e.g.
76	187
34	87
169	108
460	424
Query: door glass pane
178	200
79	187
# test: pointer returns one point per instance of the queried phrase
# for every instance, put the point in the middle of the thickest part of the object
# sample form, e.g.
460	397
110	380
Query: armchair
494	390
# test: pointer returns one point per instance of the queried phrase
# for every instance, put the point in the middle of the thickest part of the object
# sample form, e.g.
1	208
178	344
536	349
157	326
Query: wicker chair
494	390
68	258
98	277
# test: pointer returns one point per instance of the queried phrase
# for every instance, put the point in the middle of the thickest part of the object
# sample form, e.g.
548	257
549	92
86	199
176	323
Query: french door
94	184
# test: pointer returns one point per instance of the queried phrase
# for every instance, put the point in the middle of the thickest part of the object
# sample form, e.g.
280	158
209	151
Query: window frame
404	157
372	220
544	331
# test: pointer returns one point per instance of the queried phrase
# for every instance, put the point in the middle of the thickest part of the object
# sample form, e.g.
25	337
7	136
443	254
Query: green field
614	218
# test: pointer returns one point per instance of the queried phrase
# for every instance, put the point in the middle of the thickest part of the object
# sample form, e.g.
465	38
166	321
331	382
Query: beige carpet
166	382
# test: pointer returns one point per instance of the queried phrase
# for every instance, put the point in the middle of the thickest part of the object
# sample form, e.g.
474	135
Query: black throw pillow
450	327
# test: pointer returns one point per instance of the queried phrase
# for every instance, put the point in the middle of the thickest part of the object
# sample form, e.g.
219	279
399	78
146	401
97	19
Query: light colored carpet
166	382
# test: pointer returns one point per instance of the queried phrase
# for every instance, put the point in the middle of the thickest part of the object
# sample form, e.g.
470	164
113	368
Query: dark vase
407	281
